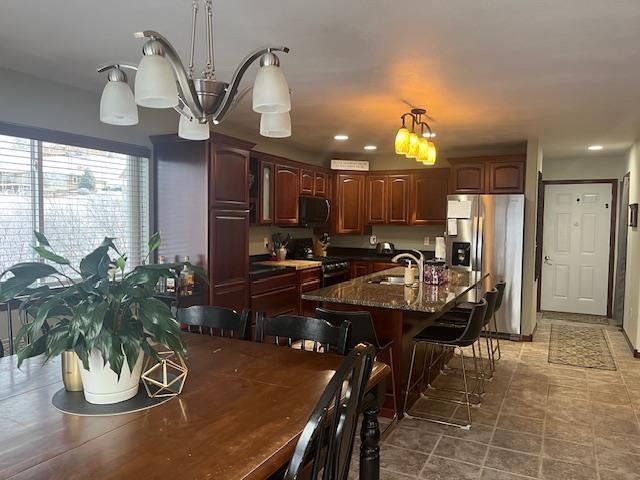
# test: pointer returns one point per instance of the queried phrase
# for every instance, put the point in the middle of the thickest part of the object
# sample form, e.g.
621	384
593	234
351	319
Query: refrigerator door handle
479	245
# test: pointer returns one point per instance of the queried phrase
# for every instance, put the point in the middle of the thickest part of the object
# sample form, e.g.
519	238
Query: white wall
587	167
529	283
632	291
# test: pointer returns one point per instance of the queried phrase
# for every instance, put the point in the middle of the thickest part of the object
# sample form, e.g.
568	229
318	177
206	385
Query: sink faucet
419	259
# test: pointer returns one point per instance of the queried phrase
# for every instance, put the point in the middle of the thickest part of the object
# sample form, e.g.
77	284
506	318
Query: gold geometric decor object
166	377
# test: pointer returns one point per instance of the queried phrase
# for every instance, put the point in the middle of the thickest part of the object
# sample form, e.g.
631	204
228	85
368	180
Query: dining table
239	416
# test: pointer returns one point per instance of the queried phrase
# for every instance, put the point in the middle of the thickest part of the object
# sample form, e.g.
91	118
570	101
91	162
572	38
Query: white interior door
577	229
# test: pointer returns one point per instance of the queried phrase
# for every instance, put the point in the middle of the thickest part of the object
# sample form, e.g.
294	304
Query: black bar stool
457	316
451	337
362	331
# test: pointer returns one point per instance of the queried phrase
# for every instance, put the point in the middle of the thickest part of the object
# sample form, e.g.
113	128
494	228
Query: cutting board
297	264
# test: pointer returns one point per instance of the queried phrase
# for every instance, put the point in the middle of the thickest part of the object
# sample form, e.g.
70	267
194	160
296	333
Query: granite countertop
422	298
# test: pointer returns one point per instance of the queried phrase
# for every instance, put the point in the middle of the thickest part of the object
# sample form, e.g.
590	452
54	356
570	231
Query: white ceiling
490	72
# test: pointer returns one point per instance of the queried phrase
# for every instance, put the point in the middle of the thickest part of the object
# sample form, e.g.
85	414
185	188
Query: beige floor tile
557	470
401	460
522	442
413	439
438	468
520	424
477	433
491	474
617	461
611	475
513	462
568	431
569	452
461	450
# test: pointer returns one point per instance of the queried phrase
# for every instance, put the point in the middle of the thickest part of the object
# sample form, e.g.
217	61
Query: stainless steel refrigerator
485	233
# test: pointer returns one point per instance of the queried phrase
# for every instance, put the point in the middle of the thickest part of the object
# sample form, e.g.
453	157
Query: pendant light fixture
162	81
409	144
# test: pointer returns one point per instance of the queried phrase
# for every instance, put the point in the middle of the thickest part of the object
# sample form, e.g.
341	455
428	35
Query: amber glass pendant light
409	144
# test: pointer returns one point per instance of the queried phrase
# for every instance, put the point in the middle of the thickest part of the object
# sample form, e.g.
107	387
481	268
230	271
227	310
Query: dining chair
362	331
326	444
218	321
298	331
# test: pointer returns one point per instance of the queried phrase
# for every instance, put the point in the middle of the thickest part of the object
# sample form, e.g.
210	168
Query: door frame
612	232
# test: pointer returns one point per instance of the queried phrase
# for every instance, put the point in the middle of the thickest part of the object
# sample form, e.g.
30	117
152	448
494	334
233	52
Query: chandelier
162	81
409	144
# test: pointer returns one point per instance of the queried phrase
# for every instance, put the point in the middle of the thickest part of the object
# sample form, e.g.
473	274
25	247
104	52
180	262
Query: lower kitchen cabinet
275	295
380	266
359	268
308	280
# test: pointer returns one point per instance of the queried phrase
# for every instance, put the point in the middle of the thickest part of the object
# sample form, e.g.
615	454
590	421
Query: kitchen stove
334	269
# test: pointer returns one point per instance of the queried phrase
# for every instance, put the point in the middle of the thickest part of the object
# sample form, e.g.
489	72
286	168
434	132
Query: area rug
576	317
580	347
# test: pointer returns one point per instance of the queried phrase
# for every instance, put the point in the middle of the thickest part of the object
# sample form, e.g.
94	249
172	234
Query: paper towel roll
441	250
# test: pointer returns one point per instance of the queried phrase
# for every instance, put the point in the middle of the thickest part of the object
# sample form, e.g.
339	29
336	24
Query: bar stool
451	337
458	314
362	331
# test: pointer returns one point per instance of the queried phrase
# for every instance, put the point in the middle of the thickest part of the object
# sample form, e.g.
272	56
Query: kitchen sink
388	280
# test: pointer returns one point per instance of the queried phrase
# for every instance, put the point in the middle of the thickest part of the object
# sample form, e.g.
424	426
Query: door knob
547	260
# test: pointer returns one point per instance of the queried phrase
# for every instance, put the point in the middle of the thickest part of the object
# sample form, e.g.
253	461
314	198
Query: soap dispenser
409	278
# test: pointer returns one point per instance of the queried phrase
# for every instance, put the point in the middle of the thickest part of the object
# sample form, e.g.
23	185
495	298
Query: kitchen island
399	313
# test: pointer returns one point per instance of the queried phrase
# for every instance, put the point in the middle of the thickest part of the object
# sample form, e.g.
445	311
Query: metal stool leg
495	329
406	394
466	390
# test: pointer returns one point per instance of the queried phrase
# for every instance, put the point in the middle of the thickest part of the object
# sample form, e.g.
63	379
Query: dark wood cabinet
429	197
505	175
398	199
468	177
277	295
376	199
287	190
359	268
307	182
494	175
229	266
308	280
229	169
349	197
320	184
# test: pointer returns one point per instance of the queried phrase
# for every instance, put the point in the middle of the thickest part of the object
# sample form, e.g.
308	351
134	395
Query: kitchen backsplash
401	237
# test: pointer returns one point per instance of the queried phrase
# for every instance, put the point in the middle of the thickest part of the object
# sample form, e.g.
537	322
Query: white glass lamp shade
275	125
193	129
117	106
271	91
155	84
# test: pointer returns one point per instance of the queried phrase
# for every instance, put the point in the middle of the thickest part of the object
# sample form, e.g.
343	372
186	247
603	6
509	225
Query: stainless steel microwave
313	211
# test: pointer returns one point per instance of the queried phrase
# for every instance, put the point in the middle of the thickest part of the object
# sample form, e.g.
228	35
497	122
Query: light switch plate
427	241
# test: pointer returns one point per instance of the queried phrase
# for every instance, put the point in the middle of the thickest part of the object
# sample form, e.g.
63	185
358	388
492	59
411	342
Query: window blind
76	196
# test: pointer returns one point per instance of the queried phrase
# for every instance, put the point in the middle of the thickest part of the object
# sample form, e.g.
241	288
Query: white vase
101	384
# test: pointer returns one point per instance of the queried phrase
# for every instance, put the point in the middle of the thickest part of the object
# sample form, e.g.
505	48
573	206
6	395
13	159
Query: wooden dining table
243	407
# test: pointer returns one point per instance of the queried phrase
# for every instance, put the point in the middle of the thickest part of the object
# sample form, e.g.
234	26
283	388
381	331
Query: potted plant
105	314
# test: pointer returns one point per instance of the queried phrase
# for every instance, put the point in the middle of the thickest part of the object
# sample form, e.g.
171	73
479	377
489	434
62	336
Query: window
76	196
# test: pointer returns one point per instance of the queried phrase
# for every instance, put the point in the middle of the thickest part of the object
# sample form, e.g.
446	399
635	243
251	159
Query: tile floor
537	420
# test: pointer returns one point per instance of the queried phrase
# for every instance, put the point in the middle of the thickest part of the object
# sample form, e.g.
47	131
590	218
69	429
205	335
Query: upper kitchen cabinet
376	199
505	175
429	197
349	204
287	190
320	181
307	181
229	170
398	199
495	174
467	176
266	193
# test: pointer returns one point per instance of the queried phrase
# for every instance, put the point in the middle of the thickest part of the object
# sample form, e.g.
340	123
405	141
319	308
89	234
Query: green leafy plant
99	306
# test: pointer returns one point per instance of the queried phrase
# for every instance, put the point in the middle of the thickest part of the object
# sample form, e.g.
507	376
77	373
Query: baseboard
526	338
635	352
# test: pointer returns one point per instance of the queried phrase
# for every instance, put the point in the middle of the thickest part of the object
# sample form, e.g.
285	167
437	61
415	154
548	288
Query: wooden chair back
326	443
216	321
303	330
362	328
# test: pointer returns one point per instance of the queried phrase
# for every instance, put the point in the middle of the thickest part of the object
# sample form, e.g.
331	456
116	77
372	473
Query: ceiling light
163	81
341	137
370	147
117	105
192	129
408	142
275	125
595	147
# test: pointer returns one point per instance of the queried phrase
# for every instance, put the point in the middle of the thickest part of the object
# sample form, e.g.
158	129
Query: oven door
335	277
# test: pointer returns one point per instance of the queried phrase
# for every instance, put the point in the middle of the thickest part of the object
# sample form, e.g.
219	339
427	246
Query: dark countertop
422	298
261	271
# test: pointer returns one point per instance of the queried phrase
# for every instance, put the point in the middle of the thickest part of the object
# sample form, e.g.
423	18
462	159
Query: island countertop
421	298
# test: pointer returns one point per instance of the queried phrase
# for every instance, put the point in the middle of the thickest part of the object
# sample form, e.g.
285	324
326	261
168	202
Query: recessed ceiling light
595	147
370	147
341	137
